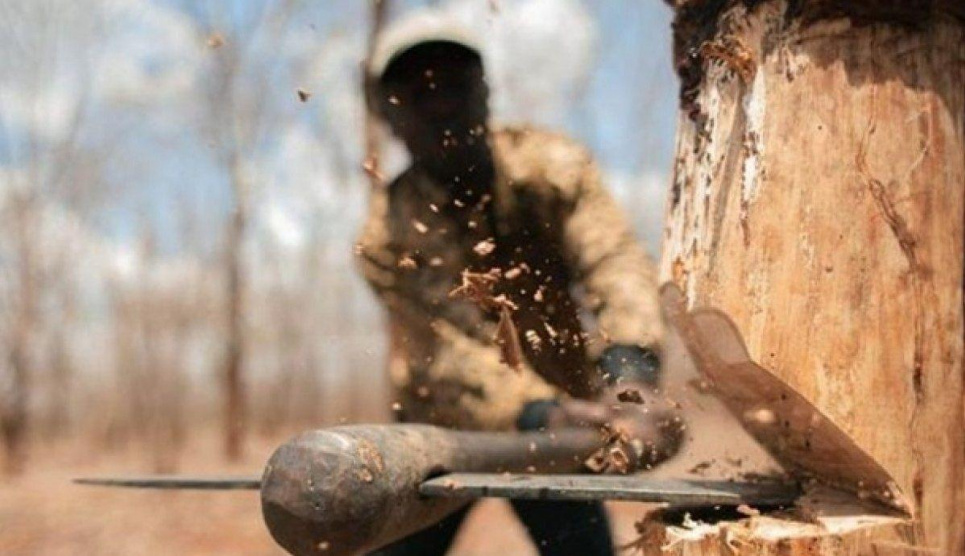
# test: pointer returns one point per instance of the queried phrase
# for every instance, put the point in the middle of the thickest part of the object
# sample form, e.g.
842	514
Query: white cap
416	28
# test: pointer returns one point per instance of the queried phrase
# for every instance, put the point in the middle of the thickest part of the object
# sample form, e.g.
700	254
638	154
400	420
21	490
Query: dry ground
43	514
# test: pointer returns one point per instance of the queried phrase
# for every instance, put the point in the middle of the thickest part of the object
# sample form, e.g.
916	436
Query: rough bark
818	200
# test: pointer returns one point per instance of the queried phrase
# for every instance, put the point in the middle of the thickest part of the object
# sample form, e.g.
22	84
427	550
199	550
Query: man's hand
643	427
638	434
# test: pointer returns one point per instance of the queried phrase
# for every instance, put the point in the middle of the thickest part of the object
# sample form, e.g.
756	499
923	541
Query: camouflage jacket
570	263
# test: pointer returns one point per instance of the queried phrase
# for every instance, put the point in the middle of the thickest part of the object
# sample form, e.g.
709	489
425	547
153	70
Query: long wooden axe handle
347	490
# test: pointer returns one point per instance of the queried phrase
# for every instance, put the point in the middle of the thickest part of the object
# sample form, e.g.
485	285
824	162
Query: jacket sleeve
616	271
375	256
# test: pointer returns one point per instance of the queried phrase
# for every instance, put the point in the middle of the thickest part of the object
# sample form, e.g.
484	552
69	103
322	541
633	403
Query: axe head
803	440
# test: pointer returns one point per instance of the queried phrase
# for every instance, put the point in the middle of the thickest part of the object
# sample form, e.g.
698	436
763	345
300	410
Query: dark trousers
556	528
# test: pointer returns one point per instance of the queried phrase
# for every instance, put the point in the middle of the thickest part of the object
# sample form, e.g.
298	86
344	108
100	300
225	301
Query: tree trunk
818	200
370	126
14	411
235	416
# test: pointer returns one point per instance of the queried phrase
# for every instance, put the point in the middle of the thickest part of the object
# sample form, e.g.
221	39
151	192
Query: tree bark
817	199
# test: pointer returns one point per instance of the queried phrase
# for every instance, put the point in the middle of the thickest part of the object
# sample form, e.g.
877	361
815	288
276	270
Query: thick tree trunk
818	200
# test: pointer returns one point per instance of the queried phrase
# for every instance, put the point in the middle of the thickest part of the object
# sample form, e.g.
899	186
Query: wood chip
535	342
371	167
478	288
630	395
215	41
507	338
485	247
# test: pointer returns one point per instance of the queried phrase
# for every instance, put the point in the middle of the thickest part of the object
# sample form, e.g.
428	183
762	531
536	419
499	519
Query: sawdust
733	53
420	227
406	262
371	168
215	41
612	457
630	395
485	247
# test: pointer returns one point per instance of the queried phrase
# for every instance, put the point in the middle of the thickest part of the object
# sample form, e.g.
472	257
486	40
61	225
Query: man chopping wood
516	293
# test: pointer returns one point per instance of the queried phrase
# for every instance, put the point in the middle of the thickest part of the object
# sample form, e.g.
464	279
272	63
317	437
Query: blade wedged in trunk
797	434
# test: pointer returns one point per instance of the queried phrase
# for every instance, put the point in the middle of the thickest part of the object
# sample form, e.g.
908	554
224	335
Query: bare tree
371	131
234	120
46	160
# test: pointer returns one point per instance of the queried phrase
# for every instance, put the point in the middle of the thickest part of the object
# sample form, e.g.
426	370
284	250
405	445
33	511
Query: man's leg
566	528
431	541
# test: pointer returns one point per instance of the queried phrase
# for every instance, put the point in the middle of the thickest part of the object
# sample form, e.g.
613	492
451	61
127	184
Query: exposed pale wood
818	201
827	522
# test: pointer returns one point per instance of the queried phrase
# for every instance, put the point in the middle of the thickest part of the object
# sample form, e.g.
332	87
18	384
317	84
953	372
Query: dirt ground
44	514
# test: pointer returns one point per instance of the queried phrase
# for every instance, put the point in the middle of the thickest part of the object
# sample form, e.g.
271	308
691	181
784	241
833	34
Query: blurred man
500	258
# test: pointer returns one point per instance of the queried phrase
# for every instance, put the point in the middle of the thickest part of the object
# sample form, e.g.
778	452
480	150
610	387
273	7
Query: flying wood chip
507	338
478	287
